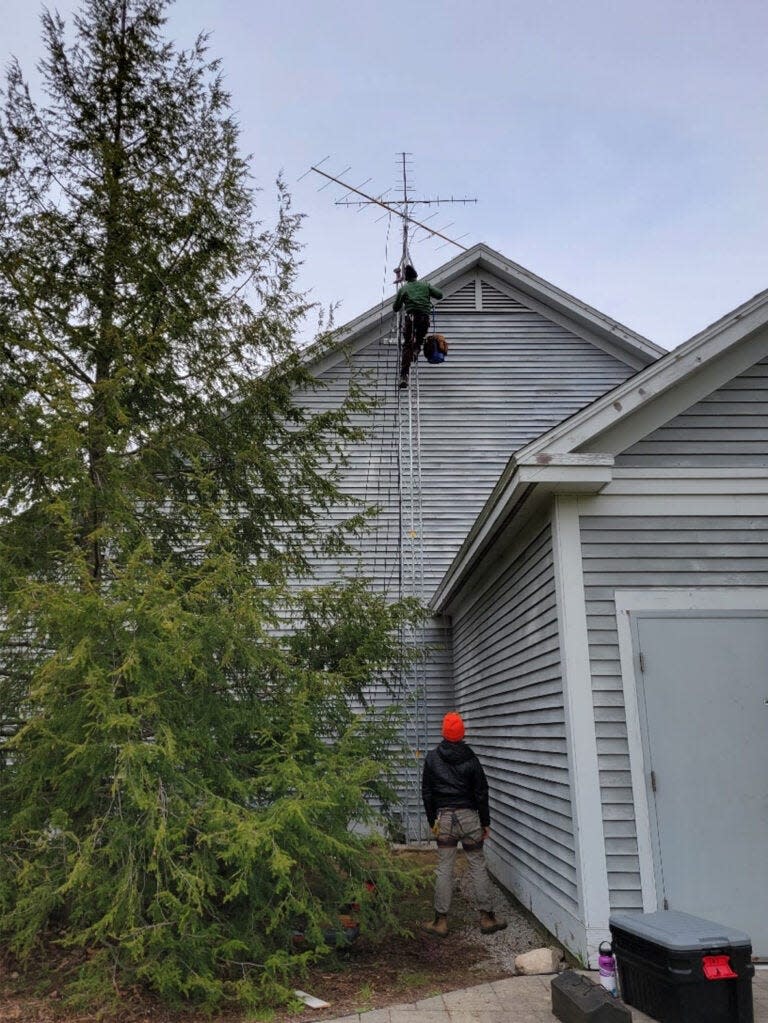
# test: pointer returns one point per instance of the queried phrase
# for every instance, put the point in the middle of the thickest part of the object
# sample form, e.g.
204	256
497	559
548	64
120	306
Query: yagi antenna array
397	207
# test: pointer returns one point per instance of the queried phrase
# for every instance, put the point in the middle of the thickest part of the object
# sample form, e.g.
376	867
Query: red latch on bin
717	968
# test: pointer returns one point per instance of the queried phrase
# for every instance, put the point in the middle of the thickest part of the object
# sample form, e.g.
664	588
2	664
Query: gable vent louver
496	301
461	301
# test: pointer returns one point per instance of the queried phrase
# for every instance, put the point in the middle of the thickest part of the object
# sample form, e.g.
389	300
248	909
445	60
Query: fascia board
564	458
625	400
592	478
657	411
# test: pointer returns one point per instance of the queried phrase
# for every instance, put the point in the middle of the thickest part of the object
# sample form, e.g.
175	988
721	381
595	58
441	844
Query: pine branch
193	753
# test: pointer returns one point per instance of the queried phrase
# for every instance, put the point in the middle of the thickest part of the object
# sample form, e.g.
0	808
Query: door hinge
653	780
642	662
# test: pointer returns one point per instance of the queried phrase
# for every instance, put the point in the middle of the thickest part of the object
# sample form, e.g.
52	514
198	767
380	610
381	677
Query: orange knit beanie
453	727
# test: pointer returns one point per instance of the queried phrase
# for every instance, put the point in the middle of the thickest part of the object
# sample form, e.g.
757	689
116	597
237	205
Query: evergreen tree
180	777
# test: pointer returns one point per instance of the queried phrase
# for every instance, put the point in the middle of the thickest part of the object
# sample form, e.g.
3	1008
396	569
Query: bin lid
679	932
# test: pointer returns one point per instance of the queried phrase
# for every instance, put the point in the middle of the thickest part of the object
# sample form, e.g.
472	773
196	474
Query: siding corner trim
591	863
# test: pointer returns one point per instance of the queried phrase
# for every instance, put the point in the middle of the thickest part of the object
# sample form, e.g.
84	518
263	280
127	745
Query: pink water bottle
606	965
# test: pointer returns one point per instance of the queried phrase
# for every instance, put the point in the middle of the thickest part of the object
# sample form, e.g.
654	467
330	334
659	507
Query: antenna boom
389	207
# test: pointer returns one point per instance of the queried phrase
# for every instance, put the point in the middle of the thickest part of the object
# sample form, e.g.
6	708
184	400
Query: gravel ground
522	933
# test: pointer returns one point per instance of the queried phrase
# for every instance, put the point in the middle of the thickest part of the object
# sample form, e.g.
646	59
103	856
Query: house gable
482	281
510	373
727	428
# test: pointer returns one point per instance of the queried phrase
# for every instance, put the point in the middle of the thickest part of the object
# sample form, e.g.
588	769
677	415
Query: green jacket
416	297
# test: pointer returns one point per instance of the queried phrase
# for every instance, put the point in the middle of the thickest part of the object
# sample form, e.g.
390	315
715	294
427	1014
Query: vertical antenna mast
406	211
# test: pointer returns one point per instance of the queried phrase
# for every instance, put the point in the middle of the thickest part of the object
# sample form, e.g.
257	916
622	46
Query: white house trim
708	359
589	838
703	379
683	472
688	598
583	478
653	505
662	599
691	485
636	754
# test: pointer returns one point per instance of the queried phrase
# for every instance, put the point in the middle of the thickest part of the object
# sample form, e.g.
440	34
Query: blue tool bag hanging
435	348
435	345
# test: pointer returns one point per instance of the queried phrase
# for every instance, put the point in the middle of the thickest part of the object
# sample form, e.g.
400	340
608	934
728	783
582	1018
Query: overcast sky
617	149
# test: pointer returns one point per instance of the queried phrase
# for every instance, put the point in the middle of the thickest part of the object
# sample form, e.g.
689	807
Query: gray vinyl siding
729	427
510	375
626	552
508	685
725	431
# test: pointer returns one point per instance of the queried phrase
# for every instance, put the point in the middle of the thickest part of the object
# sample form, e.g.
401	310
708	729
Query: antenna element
398	207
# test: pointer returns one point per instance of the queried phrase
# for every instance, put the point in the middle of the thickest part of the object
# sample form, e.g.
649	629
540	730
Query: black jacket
454	777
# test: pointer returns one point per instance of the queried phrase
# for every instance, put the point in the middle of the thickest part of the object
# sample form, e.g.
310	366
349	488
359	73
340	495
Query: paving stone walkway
513	1000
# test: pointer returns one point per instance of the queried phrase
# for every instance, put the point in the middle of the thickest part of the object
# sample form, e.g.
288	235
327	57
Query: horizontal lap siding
727	428
508	378
510	375
508	685
634	552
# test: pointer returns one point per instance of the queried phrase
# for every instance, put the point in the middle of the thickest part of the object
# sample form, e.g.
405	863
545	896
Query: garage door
703	696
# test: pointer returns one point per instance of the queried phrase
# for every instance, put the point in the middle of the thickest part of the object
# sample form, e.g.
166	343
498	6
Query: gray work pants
461	826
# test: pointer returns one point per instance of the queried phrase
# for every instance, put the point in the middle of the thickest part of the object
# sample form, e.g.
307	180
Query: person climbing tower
415	297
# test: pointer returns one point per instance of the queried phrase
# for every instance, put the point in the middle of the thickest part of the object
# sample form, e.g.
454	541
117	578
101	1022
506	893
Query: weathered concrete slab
512	1000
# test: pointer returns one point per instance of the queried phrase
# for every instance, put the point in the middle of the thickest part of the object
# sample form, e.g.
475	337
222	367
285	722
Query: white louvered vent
496	302
461	301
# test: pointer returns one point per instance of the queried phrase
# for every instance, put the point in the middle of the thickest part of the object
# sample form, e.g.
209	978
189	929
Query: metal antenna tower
412	688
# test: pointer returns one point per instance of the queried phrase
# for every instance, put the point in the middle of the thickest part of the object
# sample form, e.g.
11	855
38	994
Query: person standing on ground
455	794
416	297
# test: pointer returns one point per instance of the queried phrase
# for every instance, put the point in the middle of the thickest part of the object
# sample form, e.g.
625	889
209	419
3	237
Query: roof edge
550	462
484	257
649	383
538	288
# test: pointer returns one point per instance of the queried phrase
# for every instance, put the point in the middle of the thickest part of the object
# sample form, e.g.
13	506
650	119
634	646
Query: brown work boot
489	924
438	927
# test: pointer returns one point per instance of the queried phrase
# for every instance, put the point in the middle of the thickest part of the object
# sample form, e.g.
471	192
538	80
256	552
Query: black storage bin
680	969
